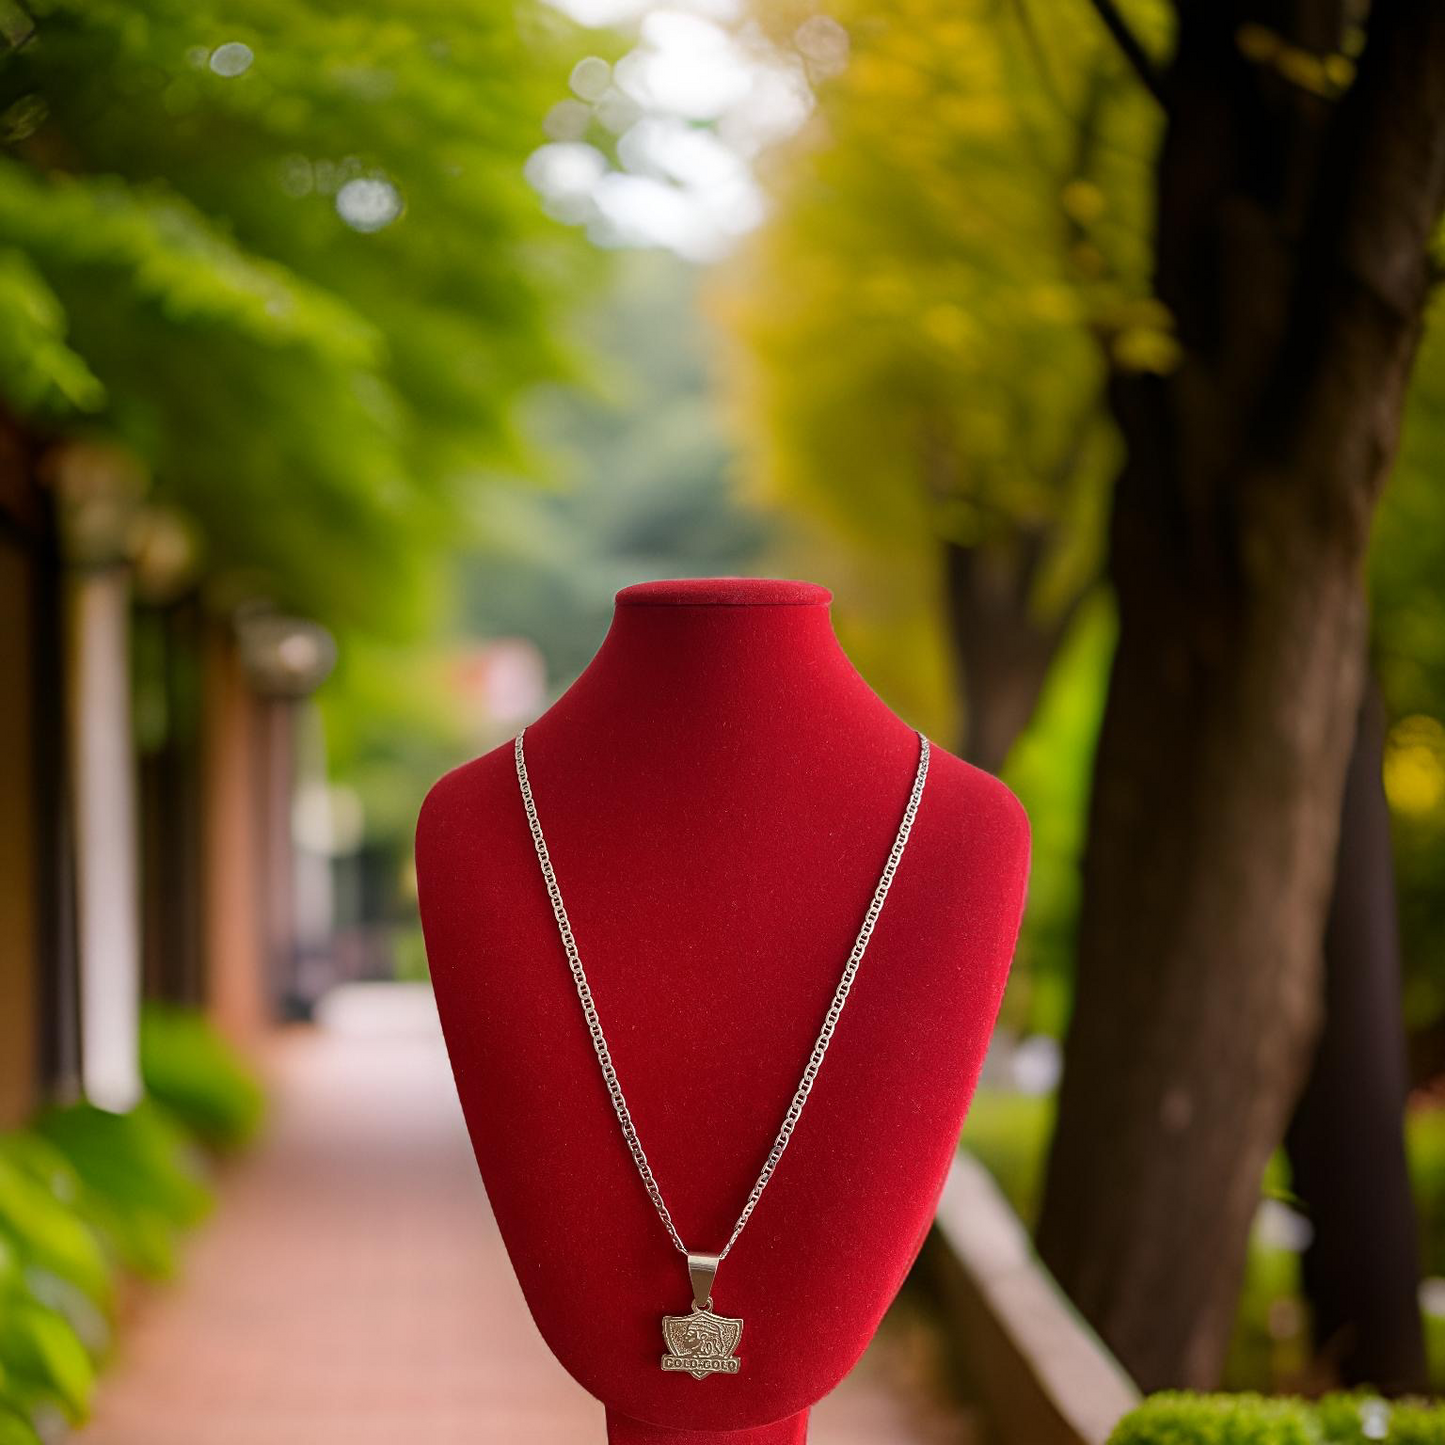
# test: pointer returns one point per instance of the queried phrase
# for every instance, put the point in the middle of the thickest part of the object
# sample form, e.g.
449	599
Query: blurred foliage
85	1194
1270	1345
642	475
921	335
55	1285
45	1361
924	324
143	1181
15	1429
286	254
1358	1418
634	483
1425	1139
1408	560
1435	1351
956	257
408	949
38	1193
1050	769
393	723
1008	1132
1407	592
198	1078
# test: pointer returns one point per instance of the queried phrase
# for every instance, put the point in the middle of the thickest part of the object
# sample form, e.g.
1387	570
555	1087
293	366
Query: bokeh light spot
823	43
567	120
1415	766
590	77
368	203
231	59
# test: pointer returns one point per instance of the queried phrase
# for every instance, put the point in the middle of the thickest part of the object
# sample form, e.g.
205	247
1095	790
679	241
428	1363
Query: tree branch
1139	58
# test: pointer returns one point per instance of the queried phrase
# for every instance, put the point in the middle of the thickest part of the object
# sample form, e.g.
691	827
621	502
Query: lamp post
285	658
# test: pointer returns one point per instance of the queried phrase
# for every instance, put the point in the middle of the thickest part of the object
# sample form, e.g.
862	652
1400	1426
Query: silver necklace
702	1343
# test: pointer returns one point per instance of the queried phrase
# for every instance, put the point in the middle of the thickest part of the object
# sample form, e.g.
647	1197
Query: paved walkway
353	1288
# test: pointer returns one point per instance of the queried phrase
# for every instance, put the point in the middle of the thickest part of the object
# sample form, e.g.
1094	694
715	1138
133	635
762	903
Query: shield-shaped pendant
702	1343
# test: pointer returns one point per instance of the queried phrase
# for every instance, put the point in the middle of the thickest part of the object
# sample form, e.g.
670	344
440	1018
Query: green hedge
191	1070
86	1195
1176	1418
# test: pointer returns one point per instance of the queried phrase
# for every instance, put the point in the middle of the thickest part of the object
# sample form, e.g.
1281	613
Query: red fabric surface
719	792
622	1430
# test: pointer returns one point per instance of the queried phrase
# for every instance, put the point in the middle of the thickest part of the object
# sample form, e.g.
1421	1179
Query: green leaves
163	254
142	1180
44	1359
955	257
55	1288
197	1077
83	1192
39	373
38	1194
15	1429
288	256
1178	1418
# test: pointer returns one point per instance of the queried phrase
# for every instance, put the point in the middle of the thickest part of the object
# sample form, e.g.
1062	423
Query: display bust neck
720	663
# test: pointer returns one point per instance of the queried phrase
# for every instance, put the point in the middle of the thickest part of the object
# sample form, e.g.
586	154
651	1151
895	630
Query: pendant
702	1343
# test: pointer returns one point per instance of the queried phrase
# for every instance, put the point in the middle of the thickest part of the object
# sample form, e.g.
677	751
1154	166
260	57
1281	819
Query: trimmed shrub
85	1193
142	1178
1180	1418
195	1074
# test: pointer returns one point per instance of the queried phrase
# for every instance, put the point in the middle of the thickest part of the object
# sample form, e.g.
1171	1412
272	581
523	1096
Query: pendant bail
702	1270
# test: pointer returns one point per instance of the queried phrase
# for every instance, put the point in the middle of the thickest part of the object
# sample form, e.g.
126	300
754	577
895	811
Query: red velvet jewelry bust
719	791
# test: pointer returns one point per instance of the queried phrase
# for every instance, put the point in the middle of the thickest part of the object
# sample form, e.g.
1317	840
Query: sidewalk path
352	1288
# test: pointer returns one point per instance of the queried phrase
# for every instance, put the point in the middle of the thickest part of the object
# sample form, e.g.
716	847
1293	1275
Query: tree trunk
1002	650
1346	1141
1291	249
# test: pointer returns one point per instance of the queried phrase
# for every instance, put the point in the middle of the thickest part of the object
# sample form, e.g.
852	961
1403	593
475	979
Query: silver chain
815	1059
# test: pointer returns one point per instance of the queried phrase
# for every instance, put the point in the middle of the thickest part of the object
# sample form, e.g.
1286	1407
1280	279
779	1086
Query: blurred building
154	727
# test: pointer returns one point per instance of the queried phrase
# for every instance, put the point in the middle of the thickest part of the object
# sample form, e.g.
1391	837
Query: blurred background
351	358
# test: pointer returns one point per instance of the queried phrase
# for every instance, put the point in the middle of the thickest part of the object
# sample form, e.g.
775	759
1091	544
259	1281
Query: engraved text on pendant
701	1343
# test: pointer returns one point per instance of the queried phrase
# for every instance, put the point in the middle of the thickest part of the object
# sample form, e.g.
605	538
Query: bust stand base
621	1430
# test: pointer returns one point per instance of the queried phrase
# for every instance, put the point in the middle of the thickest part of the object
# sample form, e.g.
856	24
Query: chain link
815	1059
